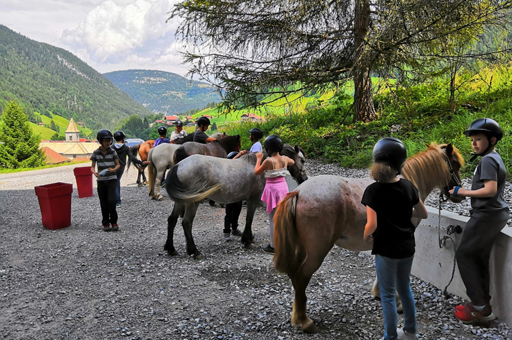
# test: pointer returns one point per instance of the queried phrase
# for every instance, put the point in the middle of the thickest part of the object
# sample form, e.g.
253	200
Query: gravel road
82	283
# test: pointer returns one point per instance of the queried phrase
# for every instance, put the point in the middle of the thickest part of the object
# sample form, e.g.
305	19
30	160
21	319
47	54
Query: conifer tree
20	146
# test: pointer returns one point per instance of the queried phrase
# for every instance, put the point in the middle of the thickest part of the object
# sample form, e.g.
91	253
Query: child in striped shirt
108	163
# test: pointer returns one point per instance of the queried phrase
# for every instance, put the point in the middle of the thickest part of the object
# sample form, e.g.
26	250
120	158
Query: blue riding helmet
232	154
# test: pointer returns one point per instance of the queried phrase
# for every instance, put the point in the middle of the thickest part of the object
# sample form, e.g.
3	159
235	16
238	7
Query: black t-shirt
393	203
200	137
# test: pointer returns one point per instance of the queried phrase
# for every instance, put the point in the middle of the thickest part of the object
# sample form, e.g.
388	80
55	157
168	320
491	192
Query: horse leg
300	282
144	177
376	294
158	181
138	178
188	219
247	236
177	210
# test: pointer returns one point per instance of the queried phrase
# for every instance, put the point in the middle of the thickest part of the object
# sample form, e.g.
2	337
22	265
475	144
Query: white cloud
123	32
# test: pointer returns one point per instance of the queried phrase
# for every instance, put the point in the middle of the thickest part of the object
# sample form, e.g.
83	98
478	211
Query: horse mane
249	158
427	165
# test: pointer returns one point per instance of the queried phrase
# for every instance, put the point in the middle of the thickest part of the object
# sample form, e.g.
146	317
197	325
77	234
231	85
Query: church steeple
72	133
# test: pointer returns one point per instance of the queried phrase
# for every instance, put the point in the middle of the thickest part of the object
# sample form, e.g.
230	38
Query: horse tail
195	192
180	154
151	174
134	150
287	257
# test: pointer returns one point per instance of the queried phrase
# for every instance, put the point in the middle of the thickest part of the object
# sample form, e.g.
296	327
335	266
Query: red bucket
55	204
83	177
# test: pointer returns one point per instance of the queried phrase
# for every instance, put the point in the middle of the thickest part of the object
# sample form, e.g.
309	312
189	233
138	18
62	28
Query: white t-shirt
175	135
256	147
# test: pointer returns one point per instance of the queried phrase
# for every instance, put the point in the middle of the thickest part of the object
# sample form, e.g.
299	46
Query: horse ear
427	145
297	148
238	137
224	134
449	149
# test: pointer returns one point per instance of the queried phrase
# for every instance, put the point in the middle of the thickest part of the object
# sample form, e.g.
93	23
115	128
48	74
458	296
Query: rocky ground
82	283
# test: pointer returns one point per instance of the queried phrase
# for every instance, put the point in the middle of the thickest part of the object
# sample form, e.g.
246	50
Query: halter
452	175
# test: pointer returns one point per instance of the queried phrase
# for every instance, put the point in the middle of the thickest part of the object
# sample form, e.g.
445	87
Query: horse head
230	143
298	170
455	162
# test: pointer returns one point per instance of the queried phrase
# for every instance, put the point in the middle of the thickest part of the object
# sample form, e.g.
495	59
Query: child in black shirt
391	202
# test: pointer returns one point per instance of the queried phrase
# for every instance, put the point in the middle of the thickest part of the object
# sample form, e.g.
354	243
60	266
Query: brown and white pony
327	210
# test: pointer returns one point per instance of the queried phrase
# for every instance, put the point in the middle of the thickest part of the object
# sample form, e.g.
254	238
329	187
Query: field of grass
60	122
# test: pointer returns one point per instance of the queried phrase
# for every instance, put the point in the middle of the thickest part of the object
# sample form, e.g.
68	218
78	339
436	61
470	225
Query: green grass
61	122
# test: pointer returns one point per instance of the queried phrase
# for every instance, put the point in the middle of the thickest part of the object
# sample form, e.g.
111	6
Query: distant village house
251	117
72	148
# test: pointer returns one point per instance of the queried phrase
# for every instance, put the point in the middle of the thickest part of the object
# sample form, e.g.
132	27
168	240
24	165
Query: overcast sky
108	35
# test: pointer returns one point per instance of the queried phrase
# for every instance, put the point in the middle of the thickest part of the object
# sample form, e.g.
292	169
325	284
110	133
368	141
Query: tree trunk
363	90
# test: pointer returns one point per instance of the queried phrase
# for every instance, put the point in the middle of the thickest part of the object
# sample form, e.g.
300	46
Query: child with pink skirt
275	171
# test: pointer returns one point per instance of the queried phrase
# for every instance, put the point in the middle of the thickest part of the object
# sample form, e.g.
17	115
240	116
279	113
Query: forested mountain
44	79
164	92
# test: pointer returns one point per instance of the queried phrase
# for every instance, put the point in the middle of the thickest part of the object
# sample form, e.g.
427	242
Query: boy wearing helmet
390	203
108	163
122	151
179	132
200	136
489	214
255	134
276	188
162	131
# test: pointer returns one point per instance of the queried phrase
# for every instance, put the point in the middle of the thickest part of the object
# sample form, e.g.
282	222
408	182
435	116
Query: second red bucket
83	177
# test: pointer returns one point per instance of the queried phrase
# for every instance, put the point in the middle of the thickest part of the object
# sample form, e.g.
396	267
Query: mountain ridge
50	80
164	92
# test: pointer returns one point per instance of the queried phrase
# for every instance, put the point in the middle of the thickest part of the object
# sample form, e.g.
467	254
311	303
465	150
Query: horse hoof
174	253
198	257
140	184
309	327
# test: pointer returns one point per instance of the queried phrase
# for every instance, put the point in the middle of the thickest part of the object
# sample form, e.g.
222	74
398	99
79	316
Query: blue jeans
119	174
394	275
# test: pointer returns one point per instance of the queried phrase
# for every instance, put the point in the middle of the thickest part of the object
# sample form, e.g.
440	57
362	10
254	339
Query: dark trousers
232	213
107	195
474	252
119	174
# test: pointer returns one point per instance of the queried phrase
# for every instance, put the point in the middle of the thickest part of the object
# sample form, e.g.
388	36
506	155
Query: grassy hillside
417	115
50	80
164	92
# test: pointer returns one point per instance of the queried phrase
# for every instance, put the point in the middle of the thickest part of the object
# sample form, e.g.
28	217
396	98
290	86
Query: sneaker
236	232
469	314
106	227
404	335
269	249
115	227
118	205
227	237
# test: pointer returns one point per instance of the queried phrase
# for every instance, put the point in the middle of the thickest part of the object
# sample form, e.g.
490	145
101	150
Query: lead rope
442	242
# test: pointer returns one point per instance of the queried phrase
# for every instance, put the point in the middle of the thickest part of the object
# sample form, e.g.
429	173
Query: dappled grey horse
223	180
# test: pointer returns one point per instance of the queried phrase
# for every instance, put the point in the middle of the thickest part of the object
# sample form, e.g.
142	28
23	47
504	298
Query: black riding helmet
162	131
390	151
119	135
273	143
486	126
203	121
178	123
257	133
103	134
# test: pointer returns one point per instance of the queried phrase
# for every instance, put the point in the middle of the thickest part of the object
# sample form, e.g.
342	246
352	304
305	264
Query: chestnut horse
327	210
143	150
